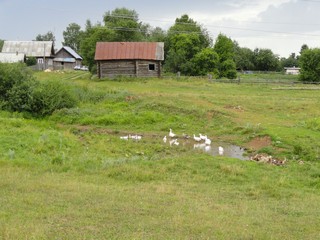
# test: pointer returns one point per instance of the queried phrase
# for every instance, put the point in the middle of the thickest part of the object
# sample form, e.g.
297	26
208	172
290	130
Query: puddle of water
229	150
214	149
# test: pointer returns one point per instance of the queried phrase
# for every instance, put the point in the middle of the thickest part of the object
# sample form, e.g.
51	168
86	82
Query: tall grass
70	176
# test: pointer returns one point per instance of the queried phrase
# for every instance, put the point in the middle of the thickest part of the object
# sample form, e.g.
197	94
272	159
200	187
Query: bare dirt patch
259	142
235	108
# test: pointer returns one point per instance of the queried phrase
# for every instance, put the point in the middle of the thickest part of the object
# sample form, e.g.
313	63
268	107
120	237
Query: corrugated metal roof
129	50
11	57
72	52
29	48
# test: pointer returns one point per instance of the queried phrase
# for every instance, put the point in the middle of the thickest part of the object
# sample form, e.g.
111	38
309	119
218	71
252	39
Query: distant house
138	59
12	57
66	58
292	70
41	50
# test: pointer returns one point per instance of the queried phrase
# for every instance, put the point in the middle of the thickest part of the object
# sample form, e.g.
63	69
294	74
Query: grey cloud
300	16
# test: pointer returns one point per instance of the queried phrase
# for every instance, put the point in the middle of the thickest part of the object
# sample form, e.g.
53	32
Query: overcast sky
280	25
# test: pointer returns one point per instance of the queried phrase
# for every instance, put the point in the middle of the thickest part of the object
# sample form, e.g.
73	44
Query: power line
212	26
226	27
197	24
142	30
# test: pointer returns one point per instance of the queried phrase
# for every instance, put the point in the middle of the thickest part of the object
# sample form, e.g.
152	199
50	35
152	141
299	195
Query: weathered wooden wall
57	65
63	54
130	68
143	68
64	66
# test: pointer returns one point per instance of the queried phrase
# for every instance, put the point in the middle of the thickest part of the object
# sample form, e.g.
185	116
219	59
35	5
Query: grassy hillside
70	176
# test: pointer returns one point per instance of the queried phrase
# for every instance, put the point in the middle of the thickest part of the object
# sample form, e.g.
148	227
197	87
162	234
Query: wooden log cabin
66	58
133	59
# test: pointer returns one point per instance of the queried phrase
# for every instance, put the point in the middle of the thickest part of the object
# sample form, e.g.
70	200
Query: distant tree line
188	47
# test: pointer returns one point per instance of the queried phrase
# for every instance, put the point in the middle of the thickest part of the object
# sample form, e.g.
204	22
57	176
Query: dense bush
12	75
19	91
228	69
310	65
20	97
31	61
50	96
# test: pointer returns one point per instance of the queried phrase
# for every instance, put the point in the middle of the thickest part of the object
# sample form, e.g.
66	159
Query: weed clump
20	92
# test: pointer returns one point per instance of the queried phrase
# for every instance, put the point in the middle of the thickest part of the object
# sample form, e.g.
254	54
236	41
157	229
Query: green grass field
70	176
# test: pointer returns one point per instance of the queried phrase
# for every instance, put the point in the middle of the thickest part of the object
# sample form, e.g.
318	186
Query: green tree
291	61
73	36
303	47
125	23
206	61
19	91
225	48
186	25
49	36
228	69
49	96
183	48
157	35
184	40
310	65
151	34
31	61
12	75
88	44
244	58
265	60
46	37
88	26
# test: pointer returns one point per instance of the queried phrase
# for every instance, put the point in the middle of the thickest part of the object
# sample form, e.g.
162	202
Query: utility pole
44	56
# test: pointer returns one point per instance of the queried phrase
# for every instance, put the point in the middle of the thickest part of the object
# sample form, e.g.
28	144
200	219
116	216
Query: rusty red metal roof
129	50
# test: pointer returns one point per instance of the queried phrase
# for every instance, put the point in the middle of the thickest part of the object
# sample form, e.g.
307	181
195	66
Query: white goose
207	148
221	150
203	137
171	134
164	139
207	141
124	137
197	139
173	142
136	137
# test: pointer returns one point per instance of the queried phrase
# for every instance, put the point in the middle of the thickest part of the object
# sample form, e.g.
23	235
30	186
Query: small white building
292	70
12	57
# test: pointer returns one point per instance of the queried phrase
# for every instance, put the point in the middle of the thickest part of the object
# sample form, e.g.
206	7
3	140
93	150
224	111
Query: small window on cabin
152	67
40	60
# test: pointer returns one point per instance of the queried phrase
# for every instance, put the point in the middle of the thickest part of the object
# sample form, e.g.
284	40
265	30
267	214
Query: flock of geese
201	138
173	140
134	137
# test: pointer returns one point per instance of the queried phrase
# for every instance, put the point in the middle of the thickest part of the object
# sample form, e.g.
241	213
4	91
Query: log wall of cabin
130	68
